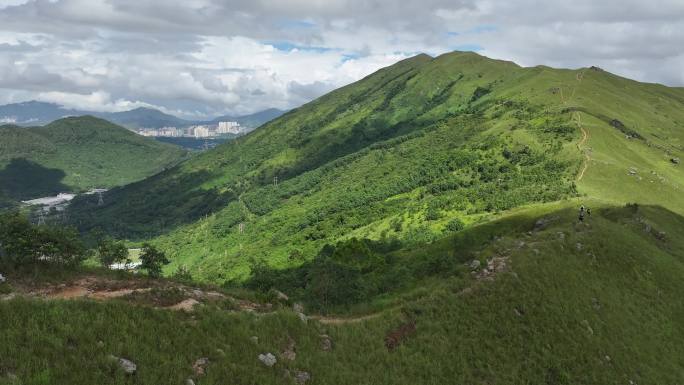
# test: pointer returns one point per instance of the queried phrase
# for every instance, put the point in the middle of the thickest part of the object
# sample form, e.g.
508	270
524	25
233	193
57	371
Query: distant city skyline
196	131
202	58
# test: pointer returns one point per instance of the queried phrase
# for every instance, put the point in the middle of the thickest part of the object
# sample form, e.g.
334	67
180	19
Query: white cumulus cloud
199	58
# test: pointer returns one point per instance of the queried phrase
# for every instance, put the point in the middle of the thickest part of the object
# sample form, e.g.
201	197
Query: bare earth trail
577	118
349	320
89	287
580	145
104	289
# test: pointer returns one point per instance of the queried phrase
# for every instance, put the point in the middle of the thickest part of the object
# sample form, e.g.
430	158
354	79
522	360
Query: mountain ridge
485	120
42	113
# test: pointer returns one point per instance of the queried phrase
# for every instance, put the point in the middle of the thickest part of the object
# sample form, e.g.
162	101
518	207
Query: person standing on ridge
581	213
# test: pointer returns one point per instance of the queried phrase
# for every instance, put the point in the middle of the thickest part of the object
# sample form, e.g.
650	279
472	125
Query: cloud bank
199	58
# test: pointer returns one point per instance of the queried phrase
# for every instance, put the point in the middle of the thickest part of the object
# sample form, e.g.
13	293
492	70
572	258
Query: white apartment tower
228	128
201	131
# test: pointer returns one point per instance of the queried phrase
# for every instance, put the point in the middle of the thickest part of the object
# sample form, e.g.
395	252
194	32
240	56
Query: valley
76	155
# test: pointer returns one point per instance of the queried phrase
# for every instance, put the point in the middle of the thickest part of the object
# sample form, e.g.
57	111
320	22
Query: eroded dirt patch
89	287
185	305
141	291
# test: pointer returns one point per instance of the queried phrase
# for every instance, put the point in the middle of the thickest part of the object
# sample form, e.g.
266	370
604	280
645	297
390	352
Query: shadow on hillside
23	179
136	212
359	270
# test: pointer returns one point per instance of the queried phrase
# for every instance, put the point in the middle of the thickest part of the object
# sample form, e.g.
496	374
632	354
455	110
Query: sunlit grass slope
597	303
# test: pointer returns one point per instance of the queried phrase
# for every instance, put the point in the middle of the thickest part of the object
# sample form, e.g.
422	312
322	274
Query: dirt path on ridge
580	144
577	117
332	320
348	320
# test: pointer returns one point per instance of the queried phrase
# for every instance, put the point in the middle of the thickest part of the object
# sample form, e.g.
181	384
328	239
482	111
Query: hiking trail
577	118
580	144
349	320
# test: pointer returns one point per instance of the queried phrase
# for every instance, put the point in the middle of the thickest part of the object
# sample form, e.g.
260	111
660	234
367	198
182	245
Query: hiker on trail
581	213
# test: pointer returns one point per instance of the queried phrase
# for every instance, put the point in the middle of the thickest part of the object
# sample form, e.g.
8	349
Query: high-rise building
228	128
201	131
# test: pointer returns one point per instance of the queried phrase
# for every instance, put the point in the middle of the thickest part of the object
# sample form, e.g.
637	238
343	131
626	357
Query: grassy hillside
75	154
565	303
425	217
407	155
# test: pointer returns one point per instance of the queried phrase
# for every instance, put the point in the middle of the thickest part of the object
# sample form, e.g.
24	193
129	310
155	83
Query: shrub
418	235
296	256
332	283
17	240
152	260
5	288
455	225
182	274
59	245
432	213
22	243
479	92
397	225
354	253
110	252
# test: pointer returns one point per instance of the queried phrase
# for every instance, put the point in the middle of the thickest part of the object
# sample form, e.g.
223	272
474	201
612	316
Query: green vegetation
110	252
152	260
22	243
413	129
76	154
607	311
409	154
193	144
435	201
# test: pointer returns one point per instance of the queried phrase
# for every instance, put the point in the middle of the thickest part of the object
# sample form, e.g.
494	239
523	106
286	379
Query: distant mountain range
34	113
254	120
143	118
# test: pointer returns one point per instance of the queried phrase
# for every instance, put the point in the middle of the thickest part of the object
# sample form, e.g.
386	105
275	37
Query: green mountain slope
76	154
596	303
409	154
